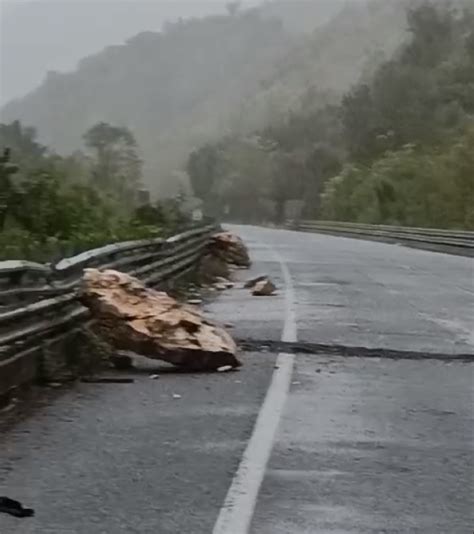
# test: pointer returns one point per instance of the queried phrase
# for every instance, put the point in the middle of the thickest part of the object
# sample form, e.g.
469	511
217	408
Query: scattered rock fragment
212	266
225	369
132	317
264	288
154	377
253	281
220	287
222	283
230	248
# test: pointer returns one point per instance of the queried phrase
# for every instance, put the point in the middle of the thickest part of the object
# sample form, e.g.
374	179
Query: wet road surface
372	447
363	446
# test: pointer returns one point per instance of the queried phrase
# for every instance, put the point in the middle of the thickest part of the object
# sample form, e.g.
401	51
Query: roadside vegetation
53	206
398	148
367	118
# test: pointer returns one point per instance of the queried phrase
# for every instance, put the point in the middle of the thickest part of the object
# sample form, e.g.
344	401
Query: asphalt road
363	445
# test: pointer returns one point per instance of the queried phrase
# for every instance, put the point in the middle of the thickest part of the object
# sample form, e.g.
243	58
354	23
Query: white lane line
289	333
236	514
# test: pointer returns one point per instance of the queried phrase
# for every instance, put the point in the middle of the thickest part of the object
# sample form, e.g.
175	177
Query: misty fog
230	102
72	29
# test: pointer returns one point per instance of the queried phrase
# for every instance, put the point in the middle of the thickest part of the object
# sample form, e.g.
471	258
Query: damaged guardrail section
457	242
41	320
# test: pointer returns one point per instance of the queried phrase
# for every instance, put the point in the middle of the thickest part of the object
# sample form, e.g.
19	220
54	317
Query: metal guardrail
459	242
38	304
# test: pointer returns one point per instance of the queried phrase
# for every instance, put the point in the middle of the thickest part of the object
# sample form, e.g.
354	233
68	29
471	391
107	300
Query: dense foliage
414	186
368	118
398	148
51	207
201	79
409	133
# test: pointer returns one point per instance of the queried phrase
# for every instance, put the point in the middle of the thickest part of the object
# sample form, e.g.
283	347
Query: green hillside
204	78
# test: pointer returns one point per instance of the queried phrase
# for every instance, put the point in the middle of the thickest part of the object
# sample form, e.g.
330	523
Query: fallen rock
225	369
220	281
251	283
264	288
212	266
195	302
220	287
230	248
132	317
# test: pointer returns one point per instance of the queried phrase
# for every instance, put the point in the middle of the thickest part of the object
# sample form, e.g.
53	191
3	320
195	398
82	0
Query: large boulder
230	248
132	317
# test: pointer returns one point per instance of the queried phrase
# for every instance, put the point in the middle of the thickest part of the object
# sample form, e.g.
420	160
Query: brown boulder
135	318
253	281
230	248
264	288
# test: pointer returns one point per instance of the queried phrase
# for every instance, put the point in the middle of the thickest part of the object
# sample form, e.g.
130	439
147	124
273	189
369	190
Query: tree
412	186
432	30
118	168
22	144
286	180
322	163
202	169
374	156
7	188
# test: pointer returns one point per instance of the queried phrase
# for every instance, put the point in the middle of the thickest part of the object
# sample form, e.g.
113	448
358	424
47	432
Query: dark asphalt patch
14	508
254	345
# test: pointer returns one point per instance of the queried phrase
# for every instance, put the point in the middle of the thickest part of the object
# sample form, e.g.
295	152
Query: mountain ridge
202	78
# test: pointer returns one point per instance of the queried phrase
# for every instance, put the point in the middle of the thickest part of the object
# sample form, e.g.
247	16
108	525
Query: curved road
341	445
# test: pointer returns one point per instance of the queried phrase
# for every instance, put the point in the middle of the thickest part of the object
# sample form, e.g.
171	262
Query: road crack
258	345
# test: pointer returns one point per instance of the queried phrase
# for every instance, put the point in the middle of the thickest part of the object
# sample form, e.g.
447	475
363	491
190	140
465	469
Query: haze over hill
203	78
367	118
29	50
72	29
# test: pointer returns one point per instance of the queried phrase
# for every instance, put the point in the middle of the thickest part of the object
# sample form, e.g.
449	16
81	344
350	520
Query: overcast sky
41	35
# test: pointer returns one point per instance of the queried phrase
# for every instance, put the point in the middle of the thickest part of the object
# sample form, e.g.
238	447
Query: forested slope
204	78
397	149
